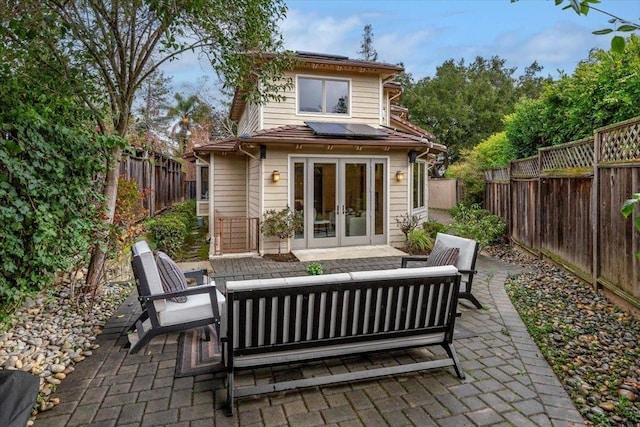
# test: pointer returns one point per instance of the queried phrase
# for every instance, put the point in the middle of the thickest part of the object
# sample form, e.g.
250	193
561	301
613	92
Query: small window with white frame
419	183
323	96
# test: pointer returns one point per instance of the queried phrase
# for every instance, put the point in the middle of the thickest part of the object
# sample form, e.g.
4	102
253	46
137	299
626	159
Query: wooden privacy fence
565	203
158	175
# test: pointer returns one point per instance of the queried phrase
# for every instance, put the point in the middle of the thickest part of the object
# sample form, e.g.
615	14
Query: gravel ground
591	345
56	330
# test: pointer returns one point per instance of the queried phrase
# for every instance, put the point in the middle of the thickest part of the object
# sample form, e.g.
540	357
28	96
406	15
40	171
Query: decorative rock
56	368
631	396
608	406
60	376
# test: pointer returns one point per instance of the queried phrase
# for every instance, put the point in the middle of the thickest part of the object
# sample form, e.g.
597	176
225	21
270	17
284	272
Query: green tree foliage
151	116
50	155
189	111
367	51
281	224
619	25
117	45
602	90
493	152
465	104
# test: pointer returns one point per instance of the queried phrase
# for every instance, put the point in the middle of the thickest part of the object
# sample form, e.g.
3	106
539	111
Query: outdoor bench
299	319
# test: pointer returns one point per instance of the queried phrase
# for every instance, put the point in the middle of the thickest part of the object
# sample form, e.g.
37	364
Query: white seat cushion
197	307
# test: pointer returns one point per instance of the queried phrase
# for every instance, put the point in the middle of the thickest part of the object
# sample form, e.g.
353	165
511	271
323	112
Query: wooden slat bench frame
354	313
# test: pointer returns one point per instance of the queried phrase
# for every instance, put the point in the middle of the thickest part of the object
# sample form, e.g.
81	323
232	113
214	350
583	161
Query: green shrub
419	241
183	217
477	224
188	208
281	224
432	228
315	269
169	234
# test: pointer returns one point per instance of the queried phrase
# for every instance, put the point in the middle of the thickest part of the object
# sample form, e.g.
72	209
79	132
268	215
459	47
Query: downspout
261	186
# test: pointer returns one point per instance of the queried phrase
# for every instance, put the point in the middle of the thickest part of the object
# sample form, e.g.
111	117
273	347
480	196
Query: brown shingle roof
297	134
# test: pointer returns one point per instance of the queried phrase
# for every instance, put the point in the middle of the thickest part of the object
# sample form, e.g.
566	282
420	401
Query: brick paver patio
508	381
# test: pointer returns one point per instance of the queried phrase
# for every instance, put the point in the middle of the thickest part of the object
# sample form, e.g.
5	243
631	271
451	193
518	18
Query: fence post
595	208
538	221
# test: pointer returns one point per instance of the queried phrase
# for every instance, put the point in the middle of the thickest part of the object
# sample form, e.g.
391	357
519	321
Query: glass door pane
356	216
298	194
321	224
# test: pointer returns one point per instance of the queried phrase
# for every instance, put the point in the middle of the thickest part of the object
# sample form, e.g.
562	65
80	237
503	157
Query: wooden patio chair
465	263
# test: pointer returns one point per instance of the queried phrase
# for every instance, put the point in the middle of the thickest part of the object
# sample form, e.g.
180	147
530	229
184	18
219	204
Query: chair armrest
406	259
194	290
198	275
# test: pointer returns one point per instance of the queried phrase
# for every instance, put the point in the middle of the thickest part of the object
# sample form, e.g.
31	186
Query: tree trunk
95	275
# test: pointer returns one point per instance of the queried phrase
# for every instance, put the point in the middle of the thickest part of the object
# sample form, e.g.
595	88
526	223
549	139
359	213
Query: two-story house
336	148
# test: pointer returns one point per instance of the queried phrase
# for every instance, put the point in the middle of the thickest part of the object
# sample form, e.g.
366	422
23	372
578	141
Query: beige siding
230	193
275	193
253	188
365	103
250	120
398	197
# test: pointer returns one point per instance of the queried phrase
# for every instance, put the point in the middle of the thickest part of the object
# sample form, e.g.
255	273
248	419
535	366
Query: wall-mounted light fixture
399	176
275	176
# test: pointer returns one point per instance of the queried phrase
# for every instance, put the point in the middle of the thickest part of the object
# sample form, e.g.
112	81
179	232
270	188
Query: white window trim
324	78
423	207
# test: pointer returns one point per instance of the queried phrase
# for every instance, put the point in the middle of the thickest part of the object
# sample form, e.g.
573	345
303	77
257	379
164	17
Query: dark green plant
49	158
169	234
627	210
188	207
315	269
478	224
432	228
418	241
281	224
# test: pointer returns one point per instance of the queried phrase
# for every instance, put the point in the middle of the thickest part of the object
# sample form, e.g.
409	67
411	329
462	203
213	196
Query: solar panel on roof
364	130
346	130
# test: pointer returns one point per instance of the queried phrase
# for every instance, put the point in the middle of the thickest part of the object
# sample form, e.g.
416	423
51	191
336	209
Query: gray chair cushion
173	279
442	255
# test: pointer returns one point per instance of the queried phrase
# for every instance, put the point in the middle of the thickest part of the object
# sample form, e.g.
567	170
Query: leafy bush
49	156
432	228
129	211
406	223
493	152
188	208
169	234
477	224
315	269
281	224
418	241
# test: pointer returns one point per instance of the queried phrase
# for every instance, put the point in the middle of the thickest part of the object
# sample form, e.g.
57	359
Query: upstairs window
323	96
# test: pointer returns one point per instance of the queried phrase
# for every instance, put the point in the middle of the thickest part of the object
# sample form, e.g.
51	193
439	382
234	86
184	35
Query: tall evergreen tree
367	51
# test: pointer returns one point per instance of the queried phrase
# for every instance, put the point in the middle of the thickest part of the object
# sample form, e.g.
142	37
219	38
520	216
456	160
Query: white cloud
322	34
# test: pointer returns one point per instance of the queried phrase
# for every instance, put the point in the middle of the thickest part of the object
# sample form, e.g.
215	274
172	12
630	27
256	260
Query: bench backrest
311	311
146	272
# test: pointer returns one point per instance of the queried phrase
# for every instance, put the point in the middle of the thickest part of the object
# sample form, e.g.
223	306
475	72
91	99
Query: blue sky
424	33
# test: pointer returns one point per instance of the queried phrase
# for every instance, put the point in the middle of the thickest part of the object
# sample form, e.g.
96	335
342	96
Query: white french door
342	200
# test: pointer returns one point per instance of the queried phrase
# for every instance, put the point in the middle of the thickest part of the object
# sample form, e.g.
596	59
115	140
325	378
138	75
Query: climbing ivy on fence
49	204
